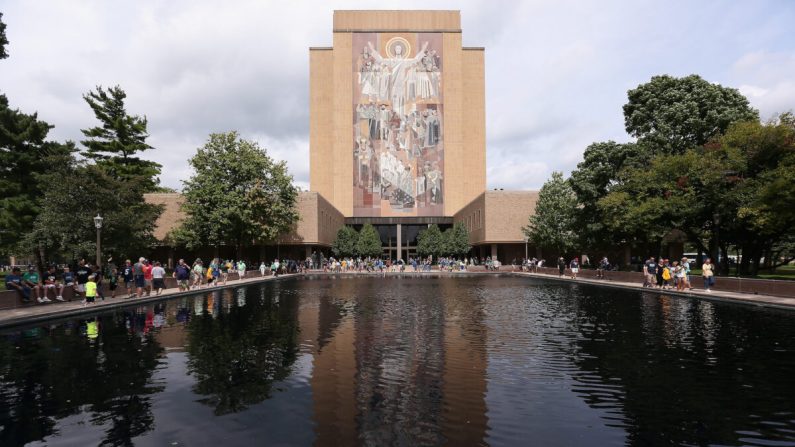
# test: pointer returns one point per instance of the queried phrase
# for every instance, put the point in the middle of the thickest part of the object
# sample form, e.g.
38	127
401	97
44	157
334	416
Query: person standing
241	269
561	266
686	273
650	269
182	275
90	290
128	277
198	273
147	268
113	281
158	278
81	274
575	268
138	275
68	278
708	273
604	264
262	268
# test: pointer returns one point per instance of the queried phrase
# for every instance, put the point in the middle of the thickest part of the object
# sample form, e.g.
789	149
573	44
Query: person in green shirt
32	279
91	290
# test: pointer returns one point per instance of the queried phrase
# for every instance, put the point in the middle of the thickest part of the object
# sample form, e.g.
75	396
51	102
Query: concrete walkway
715	295
42	312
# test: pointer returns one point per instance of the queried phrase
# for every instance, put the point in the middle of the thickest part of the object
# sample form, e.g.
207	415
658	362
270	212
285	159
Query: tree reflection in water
48	374
238	348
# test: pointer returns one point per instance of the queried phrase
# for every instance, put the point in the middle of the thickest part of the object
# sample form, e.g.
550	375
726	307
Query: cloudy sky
557	72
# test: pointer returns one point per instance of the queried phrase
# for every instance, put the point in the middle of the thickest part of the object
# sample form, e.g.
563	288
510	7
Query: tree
430	242
3	39
237	195
674	114
600	172
369	243
64	229
552	225
24	156
121	136
346	242
456	240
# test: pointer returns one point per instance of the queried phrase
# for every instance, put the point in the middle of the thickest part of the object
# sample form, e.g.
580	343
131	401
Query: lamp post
98	224
526	239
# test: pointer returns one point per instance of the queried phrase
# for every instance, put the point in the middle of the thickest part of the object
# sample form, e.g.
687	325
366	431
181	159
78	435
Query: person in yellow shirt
91	290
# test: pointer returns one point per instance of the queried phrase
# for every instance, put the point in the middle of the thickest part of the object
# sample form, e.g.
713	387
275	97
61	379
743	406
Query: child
91	290
666	276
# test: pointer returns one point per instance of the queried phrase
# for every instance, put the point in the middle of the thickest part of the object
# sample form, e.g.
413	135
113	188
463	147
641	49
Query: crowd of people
132	279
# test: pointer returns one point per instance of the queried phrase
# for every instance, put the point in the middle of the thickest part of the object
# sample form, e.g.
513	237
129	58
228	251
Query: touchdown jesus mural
398	153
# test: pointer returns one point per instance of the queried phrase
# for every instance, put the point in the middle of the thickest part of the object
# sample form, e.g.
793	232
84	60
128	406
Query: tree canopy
114	144
237	195
3	39
24	156
369	242
553	223
675	114
64	229
346	242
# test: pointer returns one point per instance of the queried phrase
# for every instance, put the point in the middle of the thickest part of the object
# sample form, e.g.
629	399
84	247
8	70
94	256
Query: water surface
476	360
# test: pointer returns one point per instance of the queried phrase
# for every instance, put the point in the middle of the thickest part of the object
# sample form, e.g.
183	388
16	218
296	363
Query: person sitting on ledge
14	282
32	279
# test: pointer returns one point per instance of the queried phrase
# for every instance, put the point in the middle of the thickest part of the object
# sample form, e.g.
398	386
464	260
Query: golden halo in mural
398	48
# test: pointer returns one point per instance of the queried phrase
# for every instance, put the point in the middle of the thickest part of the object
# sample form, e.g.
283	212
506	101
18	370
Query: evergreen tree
552	225
121	136
346	242
369	243
3	38
430	242
64	229
24	157
237	196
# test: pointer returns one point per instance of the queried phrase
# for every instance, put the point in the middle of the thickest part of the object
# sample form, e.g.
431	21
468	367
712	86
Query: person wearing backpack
666	276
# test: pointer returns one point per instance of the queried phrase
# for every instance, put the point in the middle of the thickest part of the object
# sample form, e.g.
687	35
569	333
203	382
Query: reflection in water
237	351
337	360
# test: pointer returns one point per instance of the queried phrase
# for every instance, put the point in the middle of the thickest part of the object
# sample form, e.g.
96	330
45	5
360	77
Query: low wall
722	283
11	299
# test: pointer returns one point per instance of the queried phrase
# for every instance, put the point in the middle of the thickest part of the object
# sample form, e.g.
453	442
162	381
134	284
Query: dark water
403	361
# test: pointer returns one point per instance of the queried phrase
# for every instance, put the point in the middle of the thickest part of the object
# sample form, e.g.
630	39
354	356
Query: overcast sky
557	72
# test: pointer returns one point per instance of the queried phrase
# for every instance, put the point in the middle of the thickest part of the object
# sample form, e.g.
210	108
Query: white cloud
556	73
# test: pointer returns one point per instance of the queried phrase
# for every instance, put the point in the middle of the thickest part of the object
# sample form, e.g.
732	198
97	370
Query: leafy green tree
553	224
369	243
430	242
64	229
3	38
456	240
24	156
599	173
238	195
674	114
114	144
346	242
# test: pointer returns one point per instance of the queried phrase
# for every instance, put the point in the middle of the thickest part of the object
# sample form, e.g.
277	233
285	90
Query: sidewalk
715	295
34	314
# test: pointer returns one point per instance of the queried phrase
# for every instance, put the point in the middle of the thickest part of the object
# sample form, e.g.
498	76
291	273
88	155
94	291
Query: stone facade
331	108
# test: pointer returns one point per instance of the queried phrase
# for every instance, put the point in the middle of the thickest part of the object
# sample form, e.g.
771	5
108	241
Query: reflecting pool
341	360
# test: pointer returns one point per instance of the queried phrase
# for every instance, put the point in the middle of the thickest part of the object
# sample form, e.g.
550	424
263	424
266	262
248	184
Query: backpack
666	274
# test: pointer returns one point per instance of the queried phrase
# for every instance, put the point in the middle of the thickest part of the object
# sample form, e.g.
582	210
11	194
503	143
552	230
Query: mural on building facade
398	151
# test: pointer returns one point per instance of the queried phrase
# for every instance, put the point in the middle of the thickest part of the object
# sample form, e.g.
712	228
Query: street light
98	224
525	247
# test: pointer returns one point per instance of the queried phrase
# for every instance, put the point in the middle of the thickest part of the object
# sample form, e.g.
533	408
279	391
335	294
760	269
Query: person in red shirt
148	276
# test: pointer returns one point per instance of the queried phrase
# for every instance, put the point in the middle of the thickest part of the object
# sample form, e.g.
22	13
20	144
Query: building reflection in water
401	369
